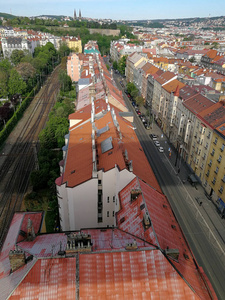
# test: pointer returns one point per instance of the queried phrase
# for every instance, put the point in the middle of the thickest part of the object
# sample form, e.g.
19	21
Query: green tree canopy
17	56
122	64
64	50
65	81
16	85
3	84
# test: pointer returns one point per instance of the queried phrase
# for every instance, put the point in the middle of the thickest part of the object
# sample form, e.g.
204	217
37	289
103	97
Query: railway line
20	161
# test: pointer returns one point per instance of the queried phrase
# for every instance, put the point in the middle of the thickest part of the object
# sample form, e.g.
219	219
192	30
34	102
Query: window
216	171
215	142
222	148
113	213
207	174
213	151
114	197
210	162
206	146
107	213
107	199
221	190
99	182
214	180
223	178
219	159
209	134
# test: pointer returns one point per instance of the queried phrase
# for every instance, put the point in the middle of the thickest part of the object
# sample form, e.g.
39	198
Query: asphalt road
207	252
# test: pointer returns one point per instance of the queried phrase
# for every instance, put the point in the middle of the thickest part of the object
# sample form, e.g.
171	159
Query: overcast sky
116	9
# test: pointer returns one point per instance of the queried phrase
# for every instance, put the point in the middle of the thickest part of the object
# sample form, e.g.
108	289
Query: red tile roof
198	103
173	85
130	275
164	231
53	278
214	115
166	76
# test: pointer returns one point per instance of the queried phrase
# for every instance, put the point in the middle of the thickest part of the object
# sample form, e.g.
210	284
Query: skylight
106	145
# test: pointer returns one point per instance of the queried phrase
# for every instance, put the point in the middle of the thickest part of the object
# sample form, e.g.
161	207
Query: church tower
74	15
80	14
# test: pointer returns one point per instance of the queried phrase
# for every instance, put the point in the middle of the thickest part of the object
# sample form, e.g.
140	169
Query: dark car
146	125
133	103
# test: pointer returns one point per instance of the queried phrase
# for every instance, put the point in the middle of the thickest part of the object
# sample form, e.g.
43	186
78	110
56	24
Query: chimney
17	259
30	231
173	253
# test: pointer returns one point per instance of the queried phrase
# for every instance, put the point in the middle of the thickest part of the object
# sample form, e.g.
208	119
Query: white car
157	143
161	149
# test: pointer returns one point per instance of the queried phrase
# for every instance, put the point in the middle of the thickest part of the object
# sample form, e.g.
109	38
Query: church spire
79	14
74	15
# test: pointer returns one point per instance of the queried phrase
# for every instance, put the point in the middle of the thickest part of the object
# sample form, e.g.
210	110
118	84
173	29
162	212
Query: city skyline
116	10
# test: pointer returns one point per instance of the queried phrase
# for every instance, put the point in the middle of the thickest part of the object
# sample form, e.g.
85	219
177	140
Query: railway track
20	161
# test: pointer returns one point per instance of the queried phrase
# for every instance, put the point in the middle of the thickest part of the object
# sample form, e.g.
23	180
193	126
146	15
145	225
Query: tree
5	66
134	93
16	85
3	84
17	56
192	59
122	64
25	70
65	81
64	50
115	65
139	100
131	87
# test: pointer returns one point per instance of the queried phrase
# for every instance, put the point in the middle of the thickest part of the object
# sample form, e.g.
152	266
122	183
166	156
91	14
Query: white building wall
63	207
83	205
113	182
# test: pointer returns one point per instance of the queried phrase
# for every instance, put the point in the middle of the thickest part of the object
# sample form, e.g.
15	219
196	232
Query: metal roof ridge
146	207
33	262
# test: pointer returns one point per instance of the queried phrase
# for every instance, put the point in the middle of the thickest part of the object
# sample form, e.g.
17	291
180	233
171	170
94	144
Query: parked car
138	111
146	125
153	137
133	103
157	143
161	149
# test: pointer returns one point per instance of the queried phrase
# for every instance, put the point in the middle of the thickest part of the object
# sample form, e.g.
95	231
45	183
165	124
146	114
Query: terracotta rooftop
198	103
133	275
214	115
53	278
173	85
166	76
164	231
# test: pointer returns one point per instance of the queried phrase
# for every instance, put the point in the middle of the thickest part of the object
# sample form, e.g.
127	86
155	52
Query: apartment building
214	175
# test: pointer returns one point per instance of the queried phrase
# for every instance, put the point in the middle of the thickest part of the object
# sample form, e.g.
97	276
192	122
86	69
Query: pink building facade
73	67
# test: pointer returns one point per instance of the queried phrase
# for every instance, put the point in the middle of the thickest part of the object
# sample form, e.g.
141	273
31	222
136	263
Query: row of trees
121	65
22	72
134	92
23	21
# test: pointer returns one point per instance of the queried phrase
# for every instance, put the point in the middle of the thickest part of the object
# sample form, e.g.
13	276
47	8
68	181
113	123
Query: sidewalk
206	207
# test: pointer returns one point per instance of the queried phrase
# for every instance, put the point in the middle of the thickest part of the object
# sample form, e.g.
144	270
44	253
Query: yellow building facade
214	177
